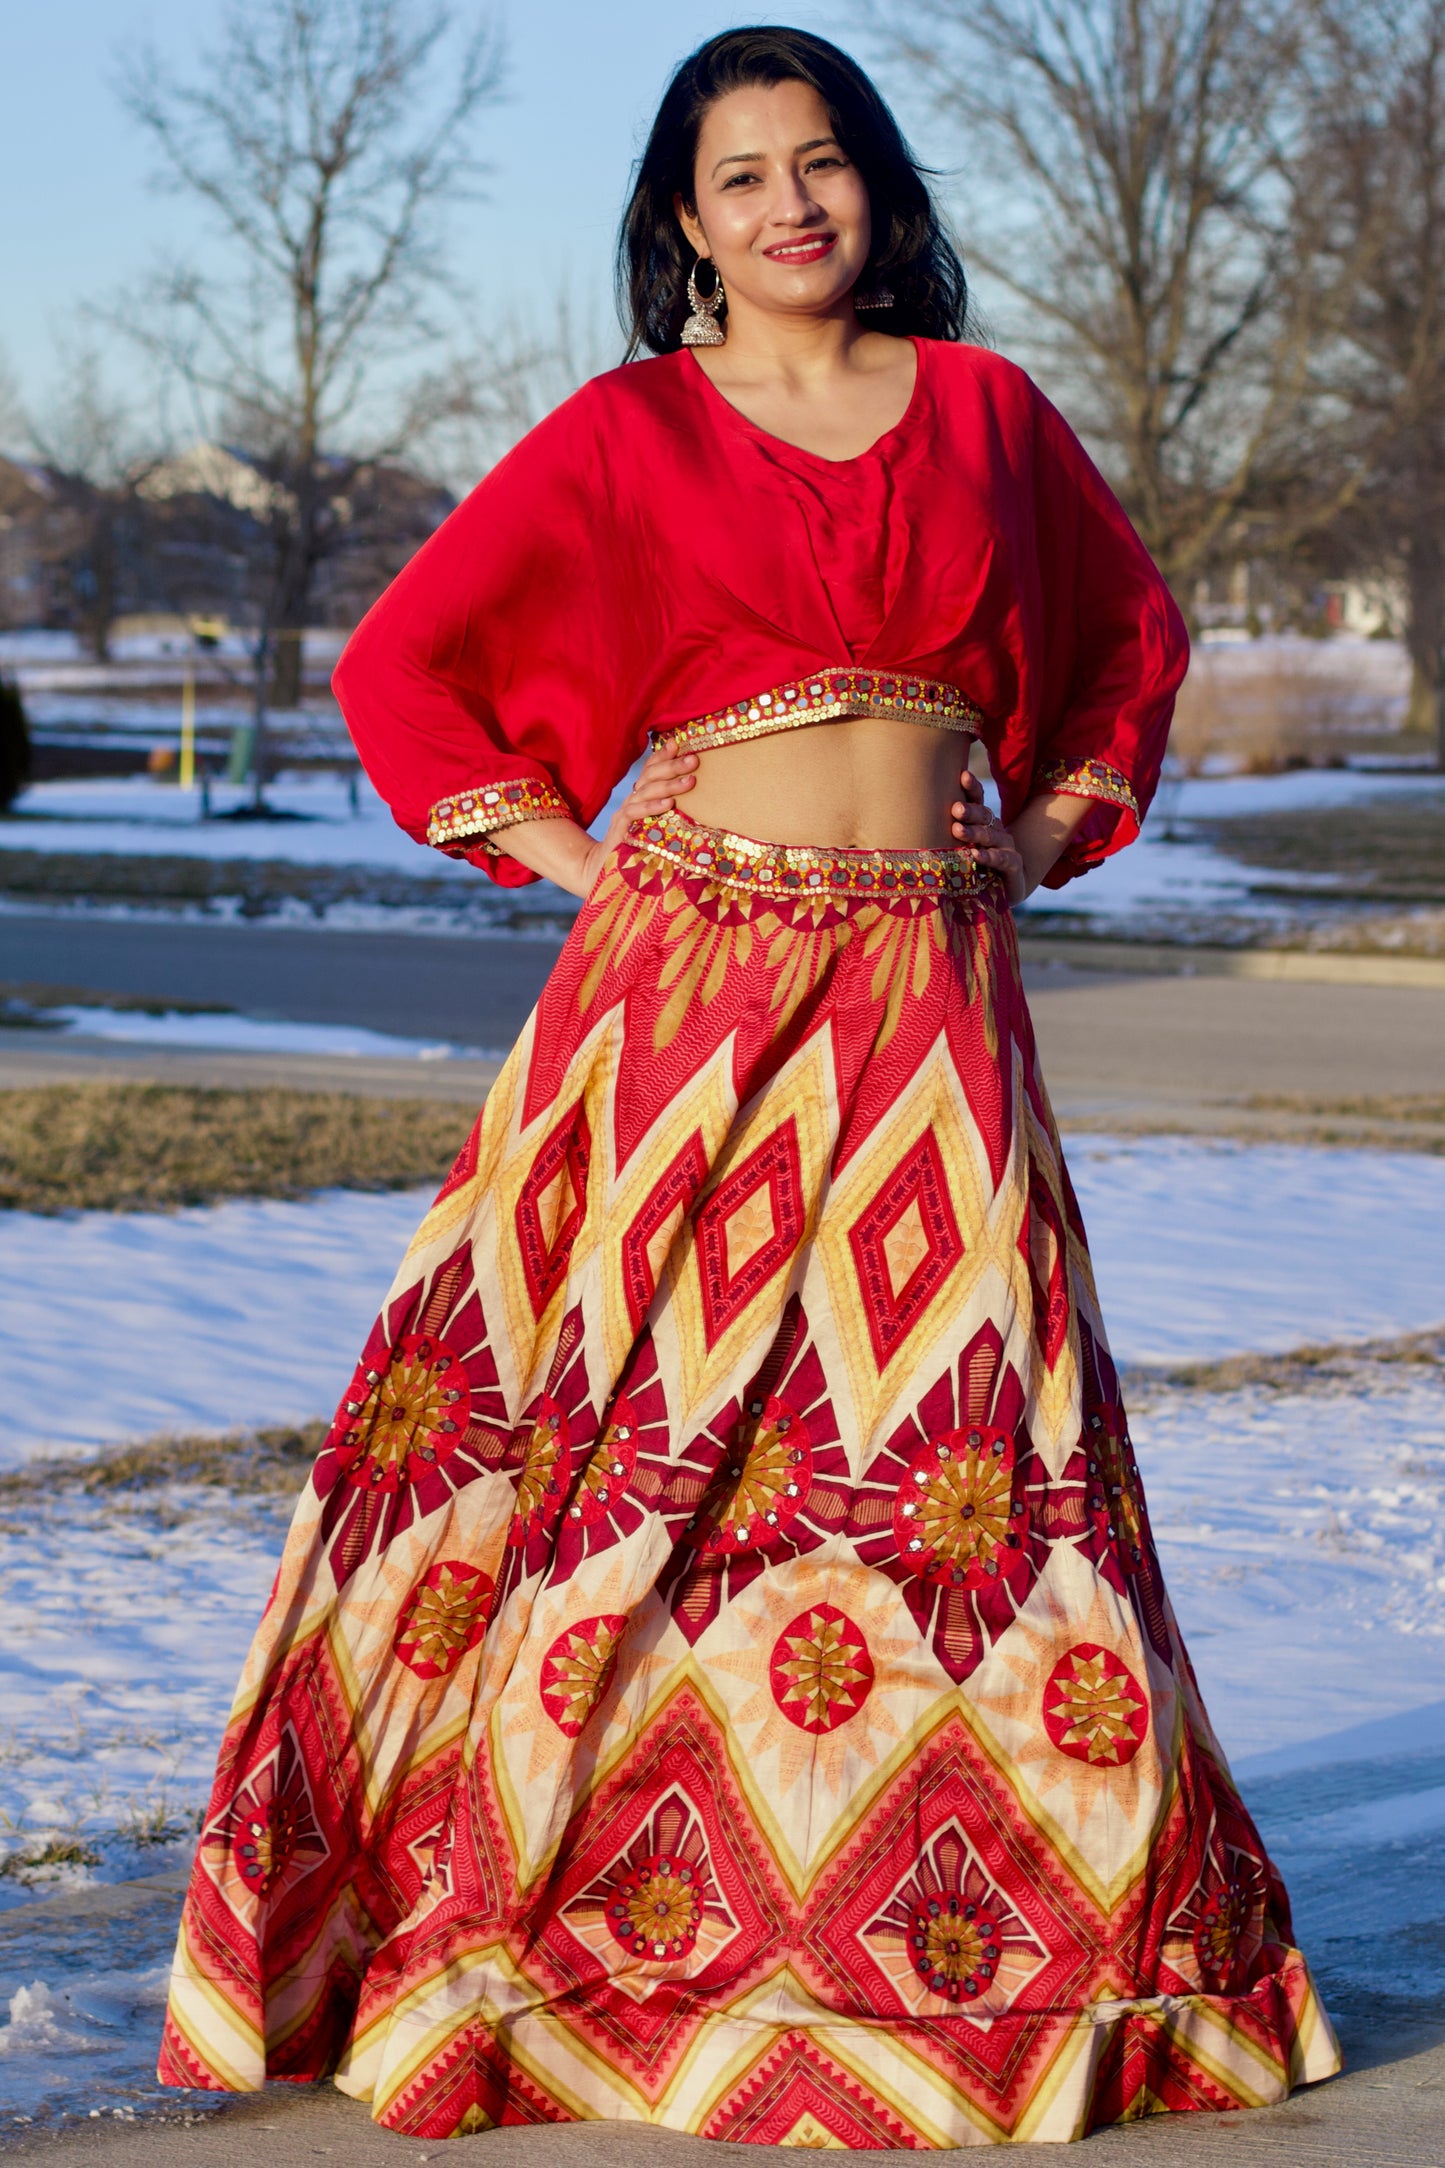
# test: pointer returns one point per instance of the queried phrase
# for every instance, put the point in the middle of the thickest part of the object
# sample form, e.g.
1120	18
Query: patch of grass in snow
260	885
276	1459
152	1147
1337	1367
1376	1107
38	1862
1388	852
25	1003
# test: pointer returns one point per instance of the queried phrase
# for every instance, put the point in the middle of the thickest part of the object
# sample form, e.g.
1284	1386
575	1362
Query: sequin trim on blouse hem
822	697
781	872
473	813
1089	779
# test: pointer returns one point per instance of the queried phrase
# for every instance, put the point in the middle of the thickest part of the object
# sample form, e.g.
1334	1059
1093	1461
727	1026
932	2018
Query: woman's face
778	204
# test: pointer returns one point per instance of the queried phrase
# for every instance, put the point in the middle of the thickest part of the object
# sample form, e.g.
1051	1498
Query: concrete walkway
1166	1052
1384	2113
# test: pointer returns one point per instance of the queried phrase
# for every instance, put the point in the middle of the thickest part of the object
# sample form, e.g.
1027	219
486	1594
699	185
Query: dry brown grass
1391	851
1271	712
1304	1369
1367	1106
148	1147
271	1460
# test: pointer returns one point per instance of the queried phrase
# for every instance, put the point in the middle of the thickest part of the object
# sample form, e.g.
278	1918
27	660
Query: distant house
40	531
192	535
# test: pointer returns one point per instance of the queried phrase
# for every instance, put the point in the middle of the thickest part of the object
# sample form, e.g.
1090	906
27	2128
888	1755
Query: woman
719	1674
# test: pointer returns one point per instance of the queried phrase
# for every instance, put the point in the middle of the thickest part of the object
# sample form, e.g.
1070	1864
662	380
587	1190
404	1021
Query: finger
970	785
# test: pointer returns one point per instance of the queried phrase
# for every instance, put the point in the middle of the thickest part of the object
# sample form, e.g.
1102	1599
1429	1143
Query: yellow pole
188	730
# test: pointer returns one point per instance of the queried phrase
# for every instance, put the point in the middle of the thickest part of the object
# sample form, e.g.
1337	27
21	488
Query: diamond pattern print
553	1205
648	1239
905	1244
748	1229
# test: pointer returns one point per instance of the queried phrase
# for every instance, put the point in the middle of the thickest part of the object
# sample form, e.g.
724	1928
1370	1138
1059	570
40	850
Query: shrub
14	744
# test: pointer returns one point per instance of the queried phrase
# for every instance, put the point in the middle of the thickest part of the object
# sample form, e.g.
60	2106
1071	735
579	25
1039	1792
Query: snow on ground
254	1311
1156	873
1205	1248
1303	1541
137	815
249	1035
1302	1533
134	815
121	1325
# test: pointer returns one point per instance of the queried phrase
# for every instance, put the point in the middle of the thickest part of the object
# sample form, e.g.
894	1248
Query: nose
793	205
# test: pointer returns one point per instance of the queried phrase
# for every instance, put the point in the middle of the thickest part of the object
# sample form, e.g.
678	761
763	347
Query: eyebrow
754	158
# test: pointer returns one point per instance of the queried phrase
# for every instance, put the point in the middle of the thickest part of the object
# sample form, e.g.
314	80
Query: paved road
471	991
1169	1047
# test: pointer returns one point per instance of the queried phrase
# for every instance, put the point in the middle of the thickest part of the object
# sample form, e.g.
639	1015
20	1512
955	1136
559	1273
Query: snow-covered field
122	1325
1302	1530
1184	879
1158	874
221	1030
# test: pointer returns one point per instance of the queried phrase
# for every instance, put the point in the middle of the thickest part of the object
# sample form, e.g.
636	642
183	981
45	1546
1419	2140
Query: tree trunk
286	679
1425	632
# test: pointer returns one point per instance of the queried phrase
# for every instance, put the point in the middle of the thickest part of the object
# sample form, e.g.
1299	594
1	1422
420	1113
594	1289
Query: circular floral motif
956	1519
1224	1922
544	1471
1094	1708
445	1615
1114	1496
273	1824
609	1467
760	1484
577	1669
821	1673
397	1423
955	1946
657	1907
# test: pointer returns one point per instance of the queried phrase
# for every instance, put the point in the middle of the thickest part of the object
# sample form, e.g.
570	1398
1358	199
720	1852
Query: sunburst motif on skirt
719	1674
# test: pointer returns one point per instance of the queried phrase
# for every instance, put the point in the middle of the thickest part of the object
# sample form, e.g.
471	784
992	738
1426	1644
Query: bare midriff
861	782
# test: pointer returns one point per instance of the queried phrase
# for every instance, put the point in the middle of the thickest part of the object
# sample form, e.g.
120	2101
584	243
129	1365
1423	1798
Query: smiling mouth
813	250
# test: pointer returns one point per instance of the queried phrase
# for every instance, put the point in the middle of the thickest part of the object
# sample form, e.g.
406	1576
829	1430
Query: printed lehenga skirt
719	1674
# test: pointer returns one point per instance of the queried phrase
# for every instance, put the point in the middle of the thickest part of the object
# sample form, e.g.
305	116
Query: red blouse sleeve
492	682
1114	651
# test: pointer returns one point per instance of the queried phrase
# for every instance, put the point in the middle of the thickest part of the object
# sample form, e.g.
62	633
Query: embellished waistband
784	872
821	698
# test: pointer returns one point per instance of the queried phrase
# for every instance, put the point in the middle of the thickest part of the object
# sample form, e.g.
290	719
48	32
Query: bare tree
13	431
1125	182
1376	168
87	435
326	138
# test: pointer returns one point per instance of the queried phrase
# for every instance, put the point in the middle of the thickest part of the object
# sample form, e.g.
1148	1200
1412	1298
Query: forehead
762	116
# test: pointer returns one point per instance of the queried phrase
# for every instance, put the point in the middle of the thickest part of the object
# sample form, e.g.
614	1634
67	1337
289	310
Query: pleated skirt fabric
719	1675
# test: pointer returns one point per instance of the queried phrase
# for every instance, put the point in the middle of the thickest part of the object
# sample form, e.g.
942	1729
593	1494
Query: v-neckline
741	421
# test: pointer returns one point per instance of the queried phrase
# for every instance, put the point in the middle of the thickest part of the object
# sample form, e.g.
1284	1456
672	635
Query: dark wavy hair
911	254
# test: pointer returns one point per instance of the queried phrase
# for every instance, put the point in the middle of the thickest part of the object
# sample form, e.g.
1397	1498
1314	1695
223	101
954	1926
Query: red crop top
647	559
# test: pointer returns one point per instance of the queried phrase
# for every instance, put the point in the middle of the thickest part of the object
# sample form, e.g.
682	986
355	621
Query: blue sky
584	75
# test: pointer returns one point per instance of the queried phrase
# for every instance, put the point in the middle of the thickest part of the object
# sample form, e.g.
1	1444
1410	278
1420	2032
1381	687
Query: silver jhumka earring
878	297
702	327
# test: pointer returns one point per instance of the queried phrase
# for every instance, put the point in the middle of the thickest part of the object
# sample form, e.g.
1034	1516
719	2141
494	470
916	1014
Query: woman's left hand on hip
982	837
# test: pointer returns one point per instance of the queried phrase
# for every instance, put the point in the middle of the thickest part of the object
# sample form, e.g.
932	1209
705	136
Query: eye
738	180
830	158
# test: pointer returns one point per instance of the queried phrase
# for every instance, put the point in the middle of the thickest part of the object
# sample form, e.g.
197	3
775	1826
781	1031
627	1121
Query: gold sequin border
471	814
782	872
1090	779
824	696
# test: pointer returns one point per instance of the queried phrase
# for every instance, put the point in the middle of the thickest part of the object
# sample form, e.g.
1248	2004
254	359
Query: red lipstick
810	249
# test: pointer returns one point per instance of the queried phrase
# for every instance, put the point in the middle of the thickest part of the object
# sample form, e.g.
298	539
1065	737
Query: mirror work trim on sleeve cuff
471	815
1088	779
